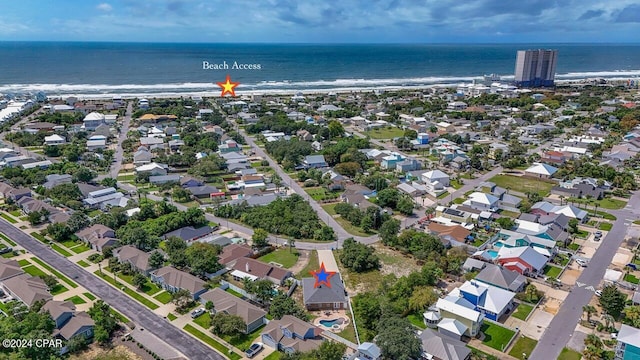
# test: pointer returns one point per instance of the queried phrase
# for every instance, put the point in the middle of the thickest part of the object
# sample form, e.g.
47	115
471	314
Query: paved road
119	154
143	317
564	322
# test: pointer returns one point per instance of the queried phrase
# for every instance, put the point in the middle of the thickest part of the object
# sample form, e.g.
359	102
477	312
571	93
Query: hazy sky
370	21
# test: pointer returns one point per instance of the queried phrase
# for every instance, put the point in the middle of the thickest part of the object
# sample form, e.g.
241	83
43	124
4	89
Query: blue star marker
322	276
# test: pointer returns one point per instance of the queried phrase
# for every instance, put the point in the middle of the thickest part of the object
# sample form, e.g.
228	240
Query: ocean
133	69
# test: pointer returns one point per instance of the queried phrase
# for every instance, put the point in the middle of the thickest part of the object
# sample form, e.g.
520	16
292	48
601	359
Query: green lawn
274	356
89	296
552	271
54	272
631	278
568	354
82	263
522	311
523	184
23	262
574	246
243	341
234	293
16	213
417	321
582	234
58	289
605	226
385	133
606	203
282	256
330	209
148	288
76	300
312	265
211	342
455	184
80	249
69	243
132	293
320	193
525	346
39	236
8	218
5	238
171	317
496	336
60	250
353	230
203	320
164	297
33	270
8	255
120	317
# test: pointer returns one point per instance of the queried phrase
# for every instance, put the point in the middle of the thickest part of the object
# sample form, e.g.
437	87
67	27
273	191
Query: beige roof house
69	323
172	280
98	236
223	301
291	335
27	289
233	252
9	268
247	267
136	257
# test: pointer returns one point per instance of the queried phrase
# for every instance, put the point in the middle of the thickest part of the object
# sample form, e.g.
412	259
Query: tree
139	280
84	174
573	226
203	258
209	306
589	310
358	257
506	223
35	217
49	280
156	260
182	298
283	305
259	238
328	350
422	298
612	300
368	310
632	315
59	231
138	237
262	289
109	182
105	321
397	340
389	231
335	129
531	292
226	324
77	221
405	205
388	198
77	343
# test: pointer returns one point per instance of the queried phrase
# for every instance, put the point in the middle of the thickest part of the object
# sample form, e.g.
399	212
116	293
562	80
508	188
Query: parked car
598	293
581	262
597	234
197	312
253	350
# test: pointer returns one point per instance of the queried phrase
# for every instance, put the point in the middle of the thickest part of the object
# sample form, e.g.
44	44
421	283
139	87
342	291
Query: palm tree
291	243
608	320
591	353
593	340
530	292
589	310
561	198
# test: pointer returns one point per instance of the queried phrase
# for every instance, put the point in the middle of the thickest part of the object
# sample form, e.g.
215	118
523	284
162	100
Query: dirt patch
620	258
551	305
570	276
394	262
118	352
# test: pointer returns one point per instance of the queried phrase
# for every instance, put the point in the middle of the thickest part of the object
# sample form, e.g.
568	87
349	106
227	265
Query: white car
581	262
598	293
197	312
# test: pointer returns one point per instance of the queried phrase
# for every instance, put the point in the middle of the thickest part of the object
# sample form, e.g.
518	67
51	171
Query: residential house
391	161
188	181
409	164
304	135
491	301
454	213
17	194
53	180
458	317
93	145
224	302
151	141
92	121
152	169
233	252
579	191
26	288
546	208
104	198
315	161
554	157
205	191
482	202
472	264
541	171
628	346
502	278
176	144
189	233
68	322
9	268
291	335
138	259
142	156
98	237
172	280
164	179
324	297
254	269
54	140
522	259
229	146
367	351
436	182
438	346
455	235
44	164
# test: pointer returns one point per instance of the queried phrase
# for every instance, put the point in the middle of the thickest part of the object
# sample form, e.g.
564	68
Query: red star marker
228	87
322	276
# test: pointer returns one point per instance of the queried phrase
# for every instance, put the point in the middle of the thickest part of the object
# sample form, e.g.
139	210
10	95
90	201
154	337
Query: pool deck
335	314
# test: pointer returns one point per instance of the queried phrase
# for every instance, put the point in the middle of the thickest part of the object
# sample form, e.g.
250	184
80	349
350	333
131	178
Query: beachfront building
536	67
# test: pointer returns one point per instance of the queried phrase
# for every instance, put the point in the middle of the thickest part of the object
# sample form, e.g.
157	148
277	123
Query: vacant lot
523	348
523	184
284	257
320	193
522	311
385	133
568	354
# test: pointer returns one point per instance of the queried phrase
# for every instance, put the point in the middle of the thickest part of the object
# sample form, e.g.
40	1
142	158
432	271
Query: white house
92	121
54	139
540	170
436	175
483	202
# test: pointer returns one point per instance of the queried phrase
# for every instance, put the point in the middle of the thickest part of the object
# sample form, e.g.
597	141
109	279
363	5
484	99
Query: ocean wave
279	85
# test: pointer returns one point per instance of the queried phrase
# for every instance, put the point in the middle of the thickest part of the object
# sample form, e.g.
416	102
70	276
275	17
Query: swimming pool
492	253
330	323
498	244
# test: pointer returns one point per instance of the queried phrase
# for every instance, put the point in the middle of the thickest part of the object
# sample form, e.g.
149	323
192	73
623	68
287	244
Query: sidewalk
326	257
